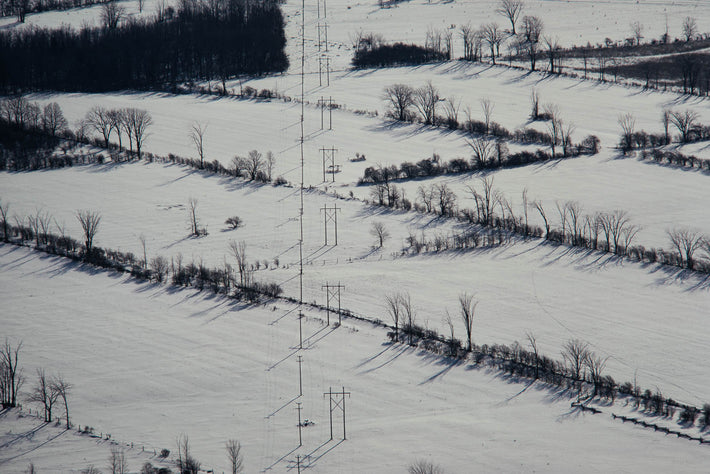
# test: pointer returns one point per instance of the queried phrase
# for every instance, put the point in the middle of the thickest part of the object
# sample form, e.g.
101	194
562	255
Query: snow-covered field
150	362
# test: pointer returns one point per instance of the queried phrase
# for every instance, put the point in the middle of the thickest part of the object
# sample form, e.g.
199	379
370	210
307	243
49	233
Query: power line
330	214
329	154
332	292
337	401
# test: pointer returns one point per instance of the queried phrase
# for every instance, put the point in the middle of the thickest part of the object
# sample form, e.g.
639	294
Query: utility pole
299	408
328	154
300	378
337	401
332	292
330	215
322	104
300	330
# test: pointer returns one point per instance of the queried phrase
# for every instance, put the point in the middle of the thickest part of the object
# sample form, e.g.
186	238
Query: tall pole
330	397
300	378
344	413
299	408
303	78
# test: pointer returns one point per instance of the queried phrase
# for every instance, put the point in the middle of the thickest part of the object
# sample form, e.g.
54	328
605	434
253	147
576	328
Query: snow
150	362
176	362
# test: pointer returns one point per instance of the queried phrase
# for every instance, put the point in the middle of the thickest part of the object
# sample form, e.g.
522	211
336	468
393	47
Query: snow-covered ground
555	293
149	363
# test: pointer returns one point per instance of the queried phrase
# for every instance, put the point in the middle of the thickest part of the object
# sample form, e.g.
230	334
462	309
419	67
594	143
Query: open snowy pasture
656	198
78	17
593	107
153	200
234	127
556	293
149	363
26	439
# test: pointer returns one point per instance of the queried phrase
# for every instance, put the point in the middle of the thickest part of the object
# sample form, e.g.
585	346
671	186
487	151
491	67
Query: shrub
280	181
164	453
234	222
688	416
705	415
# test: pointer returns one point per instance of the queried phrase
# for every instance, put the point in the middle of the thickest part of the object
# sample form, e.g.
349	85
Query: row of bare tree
47	392
129	121
685	121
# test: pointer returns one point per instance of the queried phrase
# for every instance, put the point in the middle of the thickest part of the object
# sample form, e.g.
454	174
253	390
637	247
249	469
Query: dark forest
199	41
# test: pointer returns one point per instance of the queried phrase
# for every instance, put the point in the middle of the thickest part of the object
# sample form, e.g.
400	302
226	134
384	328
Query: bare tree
11	378
192	216
684	122
452	106
142	240
493	36
197	135
62	388
234	454
486	201
159	266
533	345
627	122
100	120
44	394
553	46
566	138
690	28
239	166
541	210
686	242
535	104
400	98
666	121
269	163
138	121
511	9
117	462
482	151
595	365
111	14
89	221
393	303
239	250
53	120
254	165
575	353
487	108
637	32
426	99
530	37
4	209
408	314
468	311
380	232
471	42
424	467
446	198
186	464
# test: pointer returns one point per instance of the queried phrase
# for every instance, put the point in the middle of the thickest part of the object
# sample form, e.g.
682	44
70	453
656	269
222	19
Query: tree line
612	232
31	133
581	370
202	41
